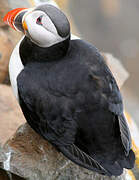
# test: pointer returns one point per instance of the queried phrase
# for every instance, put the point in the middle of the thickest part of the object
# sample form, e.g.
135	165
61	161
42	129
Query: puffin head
45	25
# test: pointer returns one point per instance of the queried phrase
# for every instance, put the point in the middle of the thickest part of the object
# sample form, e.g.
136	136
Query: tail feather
81	158
105	167
115	167
128	161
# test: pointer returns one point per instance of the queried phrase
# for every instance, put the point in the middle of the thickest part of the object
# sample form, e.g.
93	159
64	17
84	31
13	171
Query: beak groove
10	17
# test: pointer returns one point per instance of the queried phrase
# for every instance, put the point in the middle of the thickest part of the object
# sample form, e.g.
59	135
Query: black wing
109	95
115	105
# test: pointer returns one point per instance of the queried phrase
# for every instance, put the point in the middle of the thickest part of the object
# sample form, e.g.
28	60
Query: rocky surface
5	175
32	157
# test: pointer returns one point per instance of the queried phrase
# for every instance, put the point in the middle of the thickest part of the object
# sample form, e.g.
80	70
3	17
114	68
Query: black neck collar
30	52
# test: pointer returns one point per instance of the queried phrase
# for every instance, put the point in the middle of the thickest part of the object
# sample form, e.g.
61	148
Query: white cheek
15	67
43	36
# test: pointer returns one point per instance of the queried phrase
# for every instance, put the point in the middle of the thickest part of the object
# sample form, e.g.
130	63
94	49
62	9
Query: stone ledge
32	157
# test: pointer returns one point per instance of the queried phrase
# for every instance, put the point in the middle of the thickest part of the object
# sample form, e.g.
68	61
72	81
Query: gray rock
32	157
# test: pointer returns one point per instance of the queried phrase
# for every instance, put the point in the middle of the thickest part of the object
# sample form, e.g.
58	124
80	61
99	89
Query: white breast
15	67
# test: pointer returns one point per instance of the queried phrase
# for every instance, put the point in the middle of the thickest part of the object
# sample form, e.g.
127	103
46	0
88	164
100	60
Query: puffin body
69	96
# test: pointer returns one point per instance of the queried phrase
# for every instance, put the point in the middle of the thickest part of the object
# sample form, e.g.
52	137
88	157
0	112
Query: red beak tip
10	16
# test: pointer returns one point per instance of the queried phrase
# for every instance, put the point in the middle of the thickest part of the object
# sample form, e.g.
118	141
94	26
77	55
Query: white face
41	29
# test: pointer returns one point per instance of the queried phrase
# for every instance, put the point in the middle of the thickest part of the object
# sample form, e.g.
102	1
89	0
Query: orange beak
10	16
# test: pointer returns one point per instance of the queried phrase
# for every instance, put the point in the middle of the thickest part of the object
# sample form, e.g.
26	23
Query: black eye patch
39	20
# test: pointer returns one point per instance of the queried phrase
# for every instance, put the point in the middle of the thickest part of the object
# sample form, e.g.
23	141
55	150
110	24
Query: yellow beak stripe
25	25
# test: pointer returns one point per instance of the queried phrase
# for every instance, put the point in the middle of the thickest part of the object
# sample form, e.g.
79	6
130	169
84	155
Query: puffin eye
39	20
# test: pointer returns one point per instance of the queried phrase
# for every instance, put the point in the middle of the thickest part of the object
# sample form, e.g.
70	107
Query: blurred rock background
111	25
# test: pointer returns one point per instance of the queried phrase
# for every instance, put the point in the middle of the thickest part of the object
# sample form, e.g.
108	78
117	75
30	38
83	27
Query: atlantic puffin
67	93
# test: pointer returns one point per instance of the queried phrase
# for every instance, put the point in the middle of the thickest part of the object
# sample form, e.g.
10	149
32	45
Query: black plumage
72	100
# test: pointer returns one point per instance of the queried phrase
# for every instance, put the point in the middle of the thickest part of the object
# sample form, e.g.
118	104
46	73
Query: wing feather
125	133
80	157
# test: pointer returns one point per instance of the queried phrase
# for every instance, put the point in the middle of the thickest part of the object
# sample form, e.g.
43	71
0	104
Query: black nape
30	52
